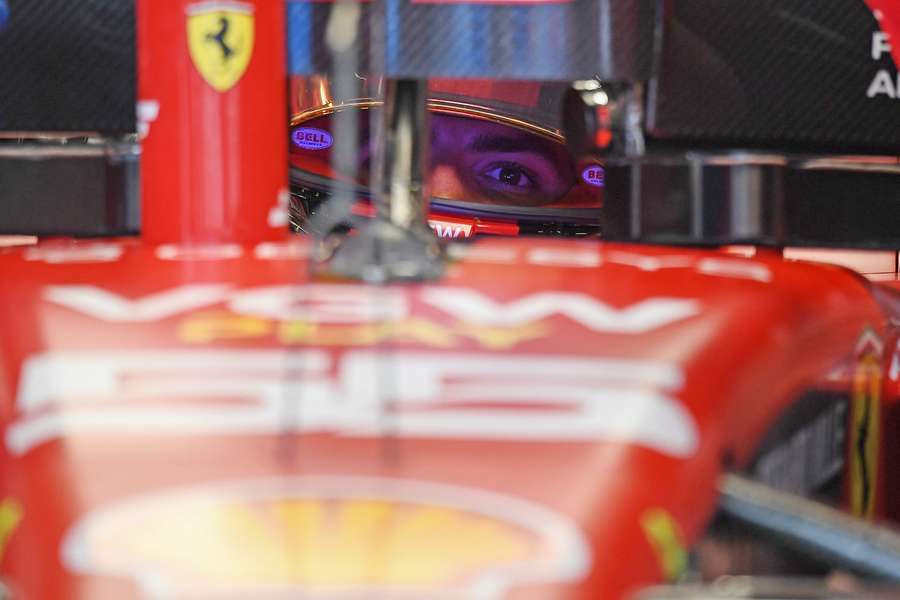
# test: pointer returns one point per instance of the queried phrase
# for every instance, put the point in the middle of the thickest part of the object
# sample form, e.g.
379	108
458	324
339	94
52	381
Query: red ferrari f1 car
503	303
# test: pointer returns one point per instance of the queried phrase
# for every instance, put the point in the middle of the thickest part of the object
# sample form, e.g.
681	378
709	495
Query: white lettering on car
448	230
884	83
324	303
434	395
640	317
107	306
881	44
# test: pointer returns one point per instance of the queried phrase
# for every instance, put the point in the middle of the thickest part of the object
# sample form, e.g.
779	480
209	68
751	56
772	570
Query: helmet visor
484	158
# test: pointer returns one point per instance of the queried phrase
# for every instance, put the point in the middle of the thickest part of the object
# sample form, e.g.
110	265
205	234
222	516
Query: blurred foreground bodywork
263	398
206	411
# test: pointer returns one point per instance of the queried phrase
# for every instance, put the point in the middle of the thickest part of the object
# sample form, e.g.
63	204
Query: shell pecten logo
325	536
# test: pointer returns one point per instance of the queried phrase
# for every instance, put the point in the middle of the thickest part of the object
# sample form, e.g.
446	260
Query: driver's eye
511	176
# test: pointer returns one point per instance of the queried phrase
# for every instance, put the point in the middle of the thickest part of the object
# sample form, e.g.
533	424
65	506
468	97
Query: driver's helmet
499	164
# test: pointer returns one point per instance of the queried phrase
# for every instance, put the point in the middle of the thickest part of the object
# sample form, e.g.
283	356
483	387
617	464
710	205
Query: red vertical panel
214	165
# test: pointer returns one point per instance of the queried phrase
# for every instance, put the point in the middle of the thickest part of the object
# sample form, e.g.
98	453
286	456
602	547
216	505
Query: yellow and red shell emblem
324	536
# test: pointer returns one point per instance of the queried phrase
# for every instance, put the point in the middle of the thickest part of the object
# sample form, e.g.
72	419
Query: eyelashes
511	176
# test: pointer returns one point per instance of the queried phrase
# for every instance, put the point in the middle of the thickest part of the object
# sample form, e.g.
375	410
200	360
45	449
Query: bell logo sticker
593	175
220	39
311	138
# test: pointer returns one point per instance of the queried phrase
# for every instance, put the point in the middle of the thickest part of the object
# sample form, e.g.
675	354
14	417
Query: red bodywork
752	334
201	143
195	414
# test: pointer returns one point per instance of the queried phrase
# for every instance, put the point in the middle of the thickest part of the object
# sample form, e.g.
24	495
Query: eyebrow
502	143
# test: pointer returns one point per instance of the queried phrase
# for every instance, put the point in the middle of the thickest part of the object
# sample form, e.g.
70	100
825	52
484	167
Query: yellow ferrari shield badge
220	39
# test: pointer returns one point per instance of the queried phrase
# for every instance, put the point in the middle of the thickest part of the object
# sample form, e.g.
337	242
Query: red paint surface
751	348
215	161
754	344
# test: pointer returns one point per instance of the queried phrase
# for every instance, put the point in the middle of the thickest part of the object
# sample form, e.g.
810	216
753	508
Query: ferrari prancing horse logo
220	39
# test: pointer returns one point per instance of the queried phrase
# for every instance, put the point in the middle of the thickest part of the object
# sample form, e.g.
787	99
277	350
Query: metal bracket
397	245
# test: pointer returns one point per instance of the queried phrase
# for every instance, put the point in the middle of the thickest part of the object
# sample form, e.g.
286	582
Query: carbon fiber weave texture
791	74
68	65
557	41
